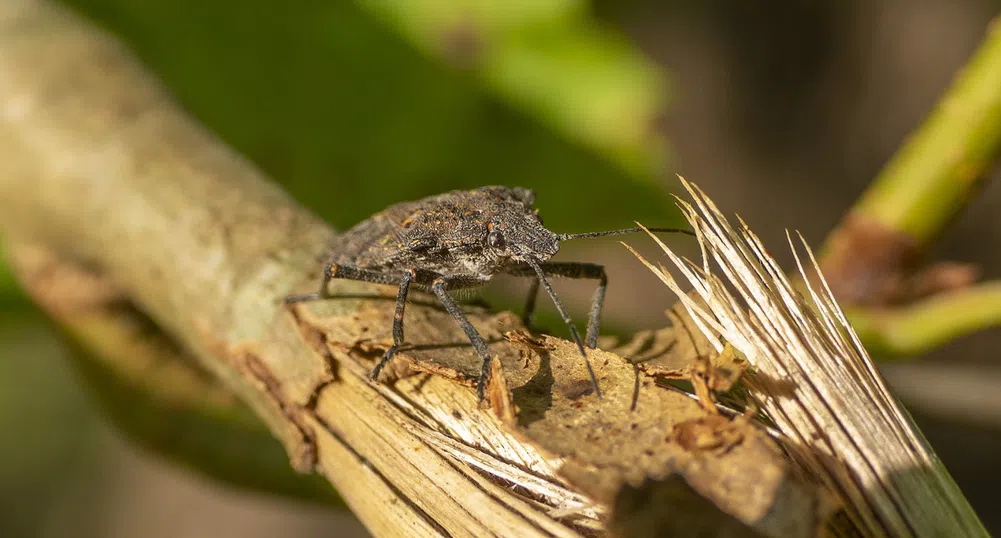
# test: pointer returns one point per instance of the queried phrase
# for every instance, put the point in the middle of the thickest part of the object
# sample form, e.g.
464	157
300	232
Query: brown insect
459	240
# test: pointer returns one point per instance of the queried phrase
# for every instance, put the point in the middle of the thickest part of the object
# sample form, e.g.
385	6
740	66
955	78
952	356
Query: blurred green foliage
46	423
340	107
552	60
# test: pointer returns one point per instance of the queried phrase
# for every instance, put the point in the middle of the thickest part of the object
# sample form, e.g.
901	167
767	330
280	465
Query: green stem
933	175
911	330
880	242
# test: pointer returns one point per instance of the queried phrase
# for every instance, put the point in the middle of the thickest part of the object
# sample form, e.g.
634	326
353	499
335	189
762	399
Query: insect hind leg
345	272
367	275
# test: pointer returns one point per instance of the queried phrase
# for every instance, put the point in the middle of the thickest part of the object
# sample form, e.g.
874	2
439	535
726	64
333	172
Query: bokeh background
782	110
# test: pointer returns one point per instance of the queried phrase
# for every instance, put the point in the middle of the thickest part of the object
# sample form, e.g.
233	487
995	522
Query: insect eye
495	239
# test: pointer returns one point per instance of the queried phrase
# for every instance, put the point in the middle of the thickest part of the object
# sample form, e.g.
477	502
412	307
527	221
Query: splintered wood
548	437
814	380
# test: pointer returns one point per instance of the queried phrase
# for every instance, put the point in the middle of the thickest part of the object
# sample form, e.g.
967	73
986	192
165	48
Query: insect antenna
564	237
566	319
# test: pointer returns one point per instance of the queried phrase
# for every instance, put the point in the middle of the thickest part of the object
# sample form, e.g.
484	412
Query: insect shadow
447	345
460	240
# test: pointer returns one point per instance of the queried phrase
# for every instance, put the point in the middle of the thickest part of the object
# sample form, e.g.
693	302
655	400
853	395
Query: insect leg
566	319
573	270
440	288
401	305
365	275
346	272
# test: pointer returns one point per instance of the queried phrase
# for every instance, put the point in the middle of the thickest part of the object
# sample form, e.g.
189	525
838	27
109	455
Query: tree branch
152	391
100	167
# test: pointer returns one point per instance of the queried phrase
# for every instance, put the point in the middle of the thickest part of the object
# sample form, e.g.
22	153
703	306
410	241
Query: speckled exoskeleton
459	240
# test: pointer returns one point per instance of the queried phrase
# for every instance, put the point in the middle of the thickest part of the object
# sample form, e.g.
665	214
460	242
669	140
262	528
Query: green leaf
351	116
549	59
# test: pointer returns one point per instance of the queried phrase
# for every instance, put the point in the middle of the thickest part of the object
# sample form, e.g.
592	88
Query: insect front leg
440	288
570	270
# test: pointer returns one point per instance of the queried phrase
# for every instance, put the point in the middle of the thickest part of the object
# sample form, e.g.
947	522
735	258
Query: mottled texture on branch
98	165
